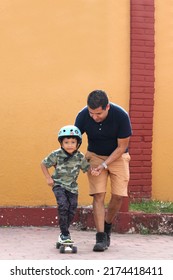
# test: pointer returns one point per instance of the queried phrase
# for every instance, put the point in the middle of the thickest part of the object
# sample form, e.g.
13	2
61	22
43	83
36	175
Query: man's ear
108	107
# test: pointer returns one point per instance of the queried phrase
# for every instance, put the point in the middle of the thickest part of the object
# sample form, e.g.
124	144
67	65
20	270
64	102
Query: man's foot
101	242
107	230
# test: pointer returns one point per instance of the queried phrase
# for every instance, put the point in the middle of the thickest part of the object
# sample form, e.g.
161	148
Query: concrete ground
38	243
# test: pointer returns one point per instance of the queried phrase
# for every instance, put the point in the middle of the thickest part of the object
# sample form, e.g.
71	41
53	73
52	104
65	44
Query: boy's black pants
67	205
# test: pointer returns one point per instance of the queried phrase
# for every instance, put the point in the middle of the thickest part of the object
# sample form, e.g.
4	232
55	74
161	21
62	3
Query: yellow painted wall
52	54
163	112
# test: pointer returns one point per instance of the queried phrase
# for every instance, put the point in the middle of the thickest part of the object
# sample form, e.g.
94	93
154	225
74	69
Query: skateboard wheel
74	249
58	245
62	249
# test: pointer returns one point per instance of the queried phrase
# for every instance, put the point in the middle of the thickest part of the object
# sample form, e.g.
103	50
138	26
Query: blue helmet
70	130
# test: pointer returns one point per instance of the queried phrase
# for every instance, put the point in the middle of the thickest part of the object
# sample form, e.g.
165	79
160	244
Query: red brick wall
141	97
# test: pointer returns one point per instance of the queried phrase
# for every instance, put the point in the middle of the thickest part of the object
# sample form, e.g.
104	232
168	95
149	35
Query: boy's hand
94	172
50	182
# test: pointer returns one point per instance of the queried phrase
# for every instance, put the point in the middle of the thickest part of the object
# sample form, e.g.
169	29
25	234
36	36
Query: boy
67	162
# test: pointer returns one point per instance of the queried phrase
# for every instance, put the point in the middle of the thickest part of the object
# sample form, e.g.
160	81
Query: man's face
99	114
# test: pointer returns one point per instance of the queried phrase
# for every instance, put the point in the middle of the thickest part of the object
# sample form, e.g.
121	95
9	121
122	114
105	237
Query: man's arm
116	154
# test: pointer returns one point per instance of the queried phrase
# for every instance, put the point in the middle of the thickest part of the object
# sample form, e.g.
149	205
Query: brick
136	114
148	114
141	120
142	132
136	151
137	7
146	194
141	84
137	43
140	182
137	89
151	20
142	37
142	48
135	188
148	102
137	101
148	138
138	66
150	67
140	78
140	169
142	126
147	163
149	32
142	72
147	152
146	145
147	14
141	145
147	176
142	25
142	108
138	19
140	157
136	139
146	188
139	31
149	43
149	90
138	54
142	60
135	195
142	2
141	95
149	55
135	176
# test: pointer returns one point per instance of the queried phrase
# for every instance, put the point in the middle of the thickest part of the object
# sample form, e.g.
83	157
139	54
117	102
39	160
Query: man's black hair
96	99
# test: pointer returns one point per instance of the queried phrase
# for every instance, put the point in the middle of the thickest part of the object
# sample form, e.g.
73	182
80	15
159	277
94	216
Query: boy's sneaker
64	238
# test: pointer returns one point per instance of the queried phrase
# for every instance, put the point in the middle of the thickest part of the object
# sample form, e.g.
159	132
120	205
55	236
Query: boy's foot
101	242
64	238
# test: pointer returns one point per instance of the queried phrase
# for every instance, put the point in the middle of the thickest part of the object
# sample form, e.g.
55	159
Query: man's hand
97	170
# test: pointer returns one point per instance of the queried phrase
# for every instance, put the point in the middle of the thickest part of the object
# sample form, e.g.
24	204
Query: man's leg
97	186
113	209
99	216
119	176
99	211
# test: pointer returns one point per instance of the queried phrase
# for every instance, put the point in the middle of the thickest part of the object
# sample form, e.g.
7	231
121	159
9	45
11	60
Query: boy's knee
62	207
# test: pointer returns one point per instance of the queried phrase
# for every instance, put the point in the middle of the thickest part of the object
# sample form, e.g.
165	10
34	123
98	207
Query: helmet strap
68	155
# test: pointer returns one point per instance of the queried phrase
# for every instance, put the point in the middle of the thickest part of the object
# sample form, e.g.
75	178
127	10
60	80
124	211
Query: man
108	129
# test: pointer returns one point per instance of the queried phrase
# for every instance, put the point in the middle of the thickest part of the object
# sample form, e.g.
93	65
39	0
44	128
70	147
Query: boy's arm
47	175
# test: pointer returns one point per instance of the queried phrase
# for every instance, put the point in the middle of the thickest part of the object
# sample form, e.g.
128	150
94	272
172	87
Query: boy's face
69	145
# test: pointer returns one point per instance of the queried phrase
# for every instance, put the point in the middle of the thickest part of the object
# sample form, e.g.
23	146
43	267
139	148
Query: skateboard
66	247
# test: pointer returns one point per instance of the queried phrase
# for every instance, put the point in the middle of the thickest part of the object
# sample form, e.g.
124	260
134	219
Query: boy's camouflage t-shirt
66	169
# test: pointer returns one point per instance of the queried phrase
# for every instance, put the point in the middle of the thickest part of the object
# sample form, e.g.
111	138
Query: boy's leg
63	206
73	202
